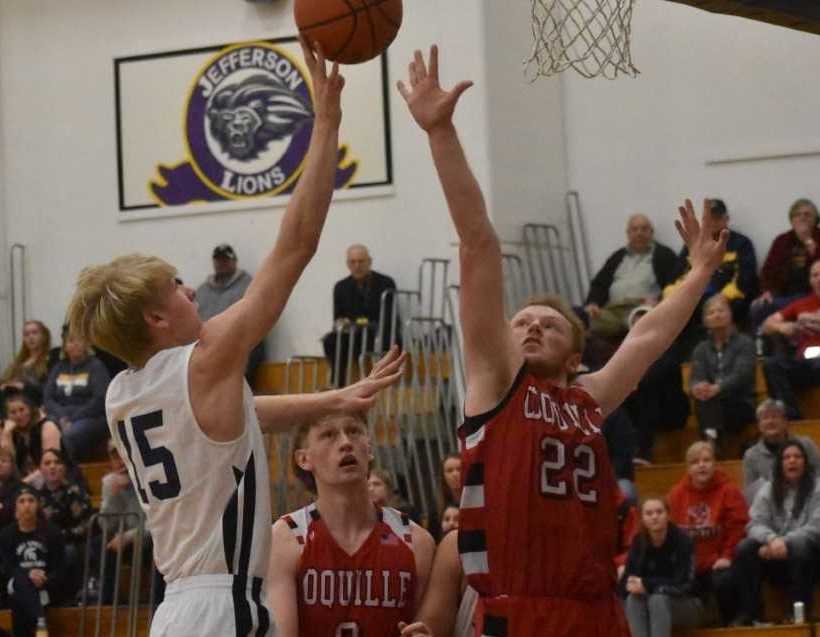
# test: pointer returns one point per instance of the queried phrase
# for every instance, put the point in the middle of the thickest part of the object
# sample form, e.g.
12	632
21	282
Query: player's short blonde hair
562	307
107	307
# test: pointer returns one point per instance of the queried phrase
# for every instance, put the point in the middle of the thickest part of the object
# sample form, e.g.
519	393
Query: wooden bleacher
65	622
804	630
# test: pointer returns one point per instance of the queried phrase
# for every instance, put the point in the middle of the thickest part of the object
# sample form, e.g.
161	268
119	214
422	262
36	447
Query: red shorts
550	617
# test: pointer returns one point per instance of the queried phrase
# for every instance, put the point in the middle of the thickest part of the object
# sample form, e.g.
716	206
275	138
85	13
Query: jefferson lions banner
228	127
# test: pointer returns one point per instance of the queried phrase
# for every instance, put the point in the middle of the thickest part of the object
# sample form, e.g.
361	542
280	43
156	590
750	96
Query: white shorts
213	606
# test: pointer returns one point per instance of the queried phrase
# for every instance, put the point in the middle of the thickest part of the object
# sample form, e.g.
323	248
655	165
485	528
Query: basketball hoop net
590	36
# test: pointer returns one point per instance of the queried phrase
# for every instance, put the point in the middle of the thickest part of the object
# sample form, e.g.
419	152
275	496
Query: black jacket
668	569
664	264
353	302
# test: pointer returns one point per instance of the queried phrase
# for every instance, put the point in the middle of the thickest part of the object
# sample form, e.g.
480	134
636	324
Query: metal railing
516	282
578	241
119	522
433	281
17	254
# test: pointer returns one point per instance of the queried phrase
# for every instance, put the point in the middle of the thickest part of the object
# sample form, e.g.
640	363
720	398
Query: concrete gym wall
57	121
711	87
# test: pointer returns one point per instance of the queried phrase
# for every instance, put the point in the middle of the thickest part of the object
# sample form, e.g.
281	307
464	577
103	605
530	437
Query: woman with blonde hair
711	510
30	365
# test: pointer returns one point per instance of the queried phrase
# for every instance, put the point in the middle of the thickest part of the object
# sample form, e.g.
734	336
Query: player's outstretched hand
705	242
416	629
327	88
361	396
430	105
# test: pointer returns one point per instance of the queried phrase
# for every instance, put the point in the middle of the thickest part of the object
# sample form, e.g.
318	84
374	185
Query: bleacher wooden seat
657	479
273	377
66	621
803	630
94	472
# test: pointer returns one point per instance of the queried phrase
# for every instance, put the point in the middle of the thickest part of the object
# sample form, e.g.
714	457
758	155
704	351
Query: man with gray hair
774	433
634	275
357	300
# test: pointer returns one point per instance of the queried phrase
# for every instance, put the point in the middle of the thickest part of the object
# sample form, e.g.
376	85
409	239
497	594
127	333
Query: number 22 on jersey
581	460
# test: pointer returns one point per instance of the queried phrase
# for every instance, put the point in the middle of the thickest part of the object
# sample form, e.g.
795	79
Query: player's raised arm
227	339
656	331
282	413
490	357
281	580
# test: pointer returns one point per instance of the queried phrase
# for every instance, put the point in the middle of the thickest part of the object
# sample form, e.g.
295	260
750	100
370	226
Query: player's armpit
281	581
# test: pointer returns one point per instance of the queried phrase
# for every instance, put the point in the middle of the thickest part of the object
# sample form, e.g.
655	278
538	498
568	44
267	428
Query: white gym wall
712	87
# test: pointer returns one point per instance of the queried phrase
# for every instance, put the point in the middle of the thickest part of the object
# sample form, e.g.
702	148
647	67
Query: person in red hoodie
712	511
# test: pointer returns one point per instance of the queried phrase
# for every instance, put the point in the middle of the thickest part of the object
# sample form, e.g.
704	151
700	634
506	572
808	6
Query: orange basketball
350	31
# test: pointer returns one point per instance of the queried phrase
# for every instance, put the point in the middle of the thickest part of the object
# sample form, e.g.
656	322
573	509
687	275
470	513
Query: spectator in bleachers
785	274
659	401
31	553
722	381
621	442
26	432
357	301
449	519
736	278
707	506
118	497
66	504
9	485
633	275
759	459
450	484
628	526
221	290
799	322
383	493
75	398
30	365
660	575
783	535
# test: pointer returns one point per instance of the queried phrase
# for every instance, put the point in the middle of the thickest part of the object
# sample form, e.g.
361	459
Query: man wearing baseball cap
224	288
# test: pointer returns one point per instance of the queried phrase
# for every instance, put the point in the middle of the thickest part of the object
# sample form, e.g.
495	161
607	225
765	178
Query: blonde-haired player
183	417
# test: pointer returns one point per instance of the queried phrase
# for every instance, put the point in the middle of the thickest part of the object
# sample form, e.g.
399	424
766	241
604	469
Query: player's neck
346	510
558	378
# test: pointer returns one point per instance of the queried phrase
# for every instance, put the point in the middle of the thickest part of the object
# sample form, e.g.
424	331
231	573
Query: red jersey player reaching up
341	567
538	523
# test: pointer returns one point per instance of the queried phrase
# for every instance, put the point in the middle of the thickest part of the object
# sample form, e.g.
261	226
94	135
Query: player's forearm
461	190
282	413
308	207
658	329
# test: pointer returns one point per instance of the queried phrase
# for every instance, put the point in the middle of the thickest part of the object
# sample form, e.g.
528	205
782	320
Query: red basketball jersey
361	595
538	507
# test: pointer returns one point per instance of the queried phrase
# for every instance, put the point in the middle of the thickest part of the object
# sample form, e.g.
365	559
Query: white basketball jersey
207	503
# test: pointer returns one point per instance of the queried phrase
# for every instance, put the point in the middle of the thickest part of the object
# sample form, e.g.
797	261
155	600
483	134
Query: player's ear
301	460
155	318
573	363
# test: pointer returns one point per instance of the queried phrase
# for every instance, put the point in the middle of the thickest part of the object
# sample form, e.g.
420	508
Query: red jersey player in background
538	524
341	567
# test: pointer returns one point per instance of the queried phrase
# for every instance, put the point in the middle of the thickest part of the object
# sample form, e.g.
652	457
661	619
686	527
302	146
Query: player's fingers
307	51
385	360
403	91
421	67
392	366
320	60
459	89
434	62
334	72
682	232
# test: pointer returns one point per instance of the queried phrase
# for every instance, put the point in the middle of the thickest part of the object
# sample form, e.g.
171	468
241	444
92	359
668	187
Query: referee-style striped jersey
207	503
